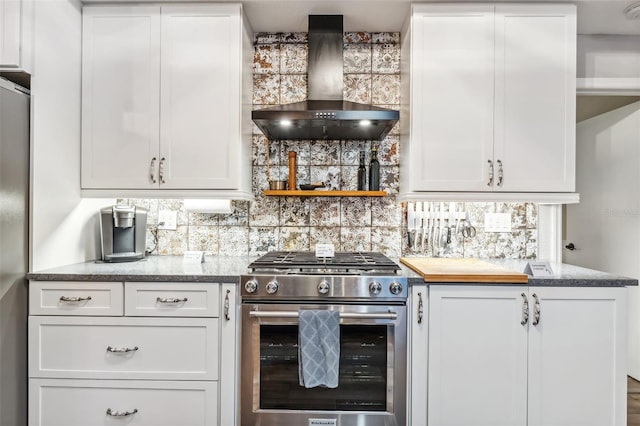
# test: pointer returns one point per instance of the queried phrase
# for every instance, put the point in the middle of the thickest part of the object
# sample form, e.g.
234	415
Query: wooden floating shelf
314	193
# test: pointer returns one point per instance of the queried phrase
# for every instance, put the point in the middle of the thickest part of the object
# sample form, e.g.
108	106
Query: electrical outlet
497	222
168	219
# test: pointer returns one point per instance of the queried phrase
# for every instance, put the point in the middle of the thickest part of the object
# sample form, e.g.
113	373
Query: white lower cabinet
64	402
539	356
171	359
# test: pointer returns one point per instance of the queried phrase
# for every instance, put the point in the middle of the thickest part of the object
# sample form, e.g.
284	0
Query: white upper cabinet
163	109
490	95
16	35
535	98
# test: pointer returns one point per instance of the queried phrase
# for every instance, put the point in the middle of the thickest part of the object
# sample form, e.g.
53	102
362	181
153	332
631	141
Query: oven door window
362	382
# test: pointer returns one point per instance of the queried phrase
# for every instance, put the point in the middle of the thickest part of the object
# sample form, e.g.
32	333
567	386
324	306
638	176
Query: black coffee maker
123	233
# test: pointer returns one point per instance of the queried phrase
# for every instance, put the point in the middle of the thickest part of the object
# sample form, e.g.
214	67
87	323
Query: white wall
605	226
63	226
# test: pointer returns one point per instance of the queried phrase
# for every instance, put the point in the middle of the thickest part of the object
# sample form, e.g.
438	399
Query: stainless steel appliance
123	233
14	251
371	299
325	115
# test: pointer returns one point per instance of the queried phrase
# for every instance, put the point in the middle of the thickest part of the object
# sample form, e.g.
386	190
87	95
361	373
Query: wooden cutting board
447	270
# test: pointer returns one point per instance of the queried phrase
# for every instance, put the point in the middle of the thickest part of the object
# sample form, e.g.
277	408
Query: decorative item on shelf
278	185
292	170
362	174
374	170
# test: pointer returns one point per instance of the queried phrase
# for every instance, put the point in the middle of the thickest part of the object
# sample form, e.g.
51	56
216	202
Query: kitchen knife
411	223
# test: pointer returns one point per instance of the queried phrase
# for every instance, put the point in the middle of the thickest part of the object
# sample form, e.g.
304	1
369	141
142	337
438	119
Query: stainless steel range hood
325	115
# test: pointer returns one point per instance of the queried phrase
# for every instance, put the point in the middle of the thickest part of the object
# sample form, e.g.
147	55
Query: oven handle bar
351	315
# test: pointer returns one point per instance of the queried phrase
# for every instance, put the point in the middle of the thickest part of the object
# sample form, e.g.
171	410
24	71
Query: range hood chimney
325	115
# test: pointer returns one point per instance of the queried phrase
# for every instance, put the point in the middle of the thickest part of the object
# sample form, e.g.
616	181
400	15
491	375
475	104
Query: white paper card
538	269
193	257
325	250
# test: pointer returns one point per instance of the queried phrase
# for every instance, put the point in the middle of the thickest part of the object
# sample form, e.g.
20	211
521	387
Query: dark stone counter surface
565	275
228	269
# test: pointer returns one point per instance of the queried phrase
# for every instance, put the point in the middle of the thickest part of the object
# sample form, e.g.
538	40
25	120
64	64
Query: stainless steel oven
373	349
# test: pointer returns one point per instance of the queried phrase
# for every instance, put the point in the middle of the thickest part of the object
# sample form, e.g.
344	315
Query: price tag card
193	257
538	269
325	250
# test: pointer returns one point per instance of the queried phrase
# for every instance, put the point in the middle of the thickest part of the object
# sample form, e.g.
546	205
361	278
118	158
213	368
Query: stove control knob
375	287
272	287
323	287
395	288
251	286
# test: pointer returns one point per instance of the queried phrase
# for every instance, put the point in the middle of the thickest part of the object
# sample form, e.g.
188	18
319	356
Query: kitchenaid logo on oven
323	422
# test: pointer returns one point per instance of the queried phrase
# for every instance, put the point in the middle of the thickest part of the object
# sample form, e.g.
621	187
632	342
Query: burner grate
342	262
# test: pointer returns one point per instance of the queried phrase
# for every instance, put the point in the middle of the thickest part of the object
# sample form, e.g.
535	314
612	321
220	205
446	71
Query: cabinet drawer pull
162	160
420	308
490	173
121	350
226	306
171	300
536	310
152	170
112	413
500	173
525	309
74	299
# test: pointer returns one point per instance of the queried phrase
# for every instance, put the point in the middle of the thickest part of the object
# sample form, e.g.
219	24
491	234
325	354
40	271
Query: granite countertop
565	275
228	269
152	268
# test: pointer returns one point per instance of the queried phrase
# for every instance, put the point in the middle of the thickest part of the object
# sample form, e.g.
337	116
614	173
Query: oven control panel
265	287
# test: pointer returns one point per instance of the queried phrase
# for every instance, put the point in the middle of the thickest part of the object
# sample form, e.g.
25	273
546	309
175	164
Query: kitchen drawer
105	348
150	299
76	298
64	402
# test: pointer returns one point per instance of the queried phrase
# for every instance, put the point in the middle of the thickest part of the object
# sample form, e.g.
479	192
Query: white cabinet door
535	97
200	107
64	402
229	355
577	357
477	356
452	97
16	35
418	345
120	97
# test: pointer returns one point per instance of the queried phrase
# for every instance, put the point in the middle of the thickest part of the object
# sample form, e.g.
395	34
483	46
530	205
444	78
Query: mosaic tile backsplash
372	76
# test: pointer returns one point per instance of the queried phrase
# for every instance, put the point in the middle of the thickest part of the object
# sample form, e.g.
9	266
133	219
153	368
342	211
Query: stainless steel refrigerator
14	251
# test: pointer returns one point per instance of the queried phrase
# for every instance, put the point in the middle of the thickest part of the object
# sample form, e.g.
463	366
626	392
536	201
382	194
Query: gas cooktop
342	263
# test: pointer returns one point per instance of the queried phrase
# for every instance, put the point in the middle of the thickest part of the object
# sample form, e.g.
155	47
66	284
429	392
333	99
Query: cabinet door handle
162	160
73	299
152	170
500	173
536	310
226	306
490	173
171	300
525	309
420	308
112	413
121	350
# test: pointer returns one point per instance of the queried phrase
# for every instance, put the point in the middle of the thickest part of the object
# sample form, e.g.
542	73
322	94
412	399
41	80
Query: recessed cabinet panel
58	402
453	98
200	79
580	339
127	348
535	97
477	356
16	35
120	97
